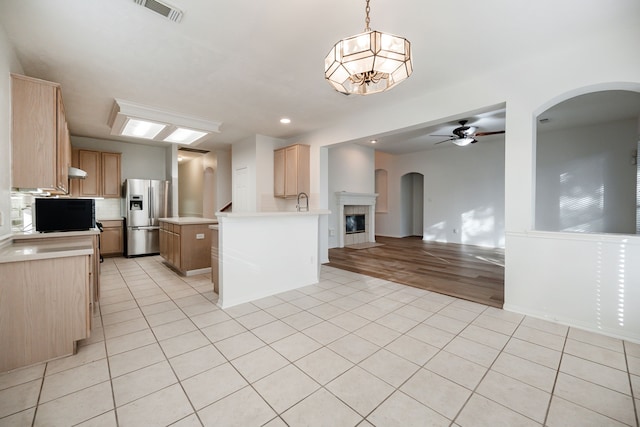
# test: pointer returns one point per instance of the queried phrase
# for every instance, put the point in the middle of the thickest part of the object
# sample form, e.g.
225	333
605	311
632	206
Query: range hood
75	173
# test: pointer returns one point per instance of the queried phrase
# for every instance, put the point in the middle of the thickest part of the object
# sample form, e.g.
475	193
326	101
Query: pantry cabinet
103	174
40	142
291	171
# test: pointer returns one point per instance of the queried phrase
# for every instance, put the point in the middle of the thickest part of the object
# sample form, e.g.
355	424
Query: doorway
412	204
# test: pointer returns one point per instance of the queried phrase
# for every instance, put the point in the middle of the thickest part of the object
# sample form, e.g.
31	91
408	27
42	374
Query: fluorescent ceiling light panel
184	136
140	121
142	128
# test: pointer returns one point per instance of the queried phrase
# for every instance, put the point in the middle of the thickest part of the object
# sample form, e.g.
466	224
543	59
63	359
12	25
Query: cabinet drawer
111	223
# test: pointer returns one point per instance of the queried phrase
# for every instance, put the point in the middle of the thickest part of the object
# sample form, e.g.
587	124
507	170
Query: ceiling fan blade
446	140
450	136
488	133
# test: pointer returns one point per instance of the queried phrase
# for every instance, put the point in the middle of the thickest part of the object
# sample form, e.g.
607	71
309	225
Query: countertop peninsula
27	246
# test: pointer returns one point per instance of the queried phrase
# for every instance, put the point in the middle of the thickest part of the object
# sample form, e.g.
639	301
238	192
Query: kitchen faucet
306	207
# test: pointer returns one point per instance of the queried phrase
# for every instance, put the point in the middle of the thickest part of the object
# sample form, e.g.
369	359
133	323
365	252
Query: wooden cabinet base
42	315
189	272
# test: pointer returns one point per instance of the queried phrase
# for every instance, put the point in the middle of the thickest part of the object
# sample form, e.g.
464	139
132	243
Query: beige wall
190	187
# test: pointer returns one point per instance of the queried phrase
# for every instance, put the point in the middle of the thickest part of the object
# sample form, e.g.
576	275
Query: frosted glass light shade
367	63
142	128
463	141
184	136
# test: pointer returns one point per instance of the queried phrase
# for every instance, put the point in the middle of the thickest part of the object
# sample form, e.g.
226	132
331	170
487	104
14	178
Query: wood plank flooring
463	271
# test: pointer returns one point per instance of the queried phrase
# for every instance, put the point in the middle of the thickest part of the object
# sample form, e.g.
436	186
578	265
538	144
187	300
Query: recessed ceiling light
142	128
285	120
373	141
184	136
180	158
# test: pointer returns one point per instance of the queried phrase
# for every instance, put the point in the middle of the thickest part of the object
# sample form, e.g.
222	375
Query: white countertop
271	214
34	250
186	220
38	235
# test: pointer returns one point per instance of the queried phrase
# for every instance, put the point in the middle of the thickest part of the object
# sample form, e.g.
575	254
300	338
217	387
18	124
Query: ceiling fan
465	135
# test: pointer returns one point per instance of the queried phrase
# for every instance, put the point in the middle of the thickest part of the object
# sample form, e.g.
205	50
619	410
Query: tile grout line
150	269
325	346
250	384
321	386
396	388
106	354
160	346
70	393
35	412
474	391
555	379
404	304
633	400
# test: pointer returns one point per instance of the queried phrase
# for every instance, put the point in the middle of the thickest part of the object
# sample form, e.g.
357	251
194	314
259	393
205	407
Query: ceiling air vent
170	12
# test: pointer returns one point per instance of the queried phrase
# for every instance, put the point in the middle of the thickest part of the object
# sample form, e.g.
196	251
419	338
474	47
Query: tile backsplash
108	209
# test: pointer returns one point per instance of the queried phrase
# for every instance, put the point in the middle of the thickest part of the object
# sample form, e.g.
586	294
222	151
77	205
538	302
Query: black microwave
53	214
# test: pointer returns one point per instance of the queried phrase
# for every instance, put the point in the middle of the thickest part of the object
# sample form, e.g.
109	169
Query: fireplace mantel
356	199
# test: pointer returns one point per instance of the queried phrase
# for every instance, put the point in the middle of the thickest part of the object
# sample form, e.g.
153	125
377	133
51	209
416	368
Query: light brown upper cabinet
41	147
103	174
111	184
89	161
291	171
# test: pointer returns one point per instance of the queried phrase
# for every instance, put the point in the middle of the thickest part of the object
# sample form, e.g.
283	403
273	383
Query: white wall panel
588	281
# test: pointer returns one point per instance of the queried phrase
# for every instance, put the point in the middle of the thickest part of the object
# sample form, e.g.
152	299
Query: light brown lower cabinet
111	239
42	315
94	264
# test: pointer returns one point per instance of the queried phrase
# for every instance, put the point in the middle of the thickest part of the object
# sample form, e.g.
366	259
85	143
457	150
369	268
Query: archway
586	174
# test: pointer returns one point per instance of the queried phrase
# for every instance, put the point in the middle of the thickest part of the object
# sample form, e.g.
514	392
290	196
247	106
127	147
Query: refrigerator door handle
149	227
150	202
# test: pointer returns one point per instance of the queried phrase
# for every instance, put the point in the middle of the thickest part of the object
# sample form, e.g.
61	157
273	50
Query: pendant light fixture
369	62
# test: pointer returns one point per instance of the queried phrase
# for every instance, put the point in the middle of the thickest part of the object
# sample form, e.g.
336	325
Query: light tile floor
351	350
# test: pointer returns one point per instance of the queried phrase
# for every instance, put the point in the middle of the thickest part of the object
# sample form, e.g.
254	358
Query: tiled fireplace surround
356	204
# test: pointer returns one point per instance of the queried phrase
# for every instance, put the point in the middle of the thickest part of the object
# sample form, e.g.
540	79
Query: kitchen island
265	253
185	244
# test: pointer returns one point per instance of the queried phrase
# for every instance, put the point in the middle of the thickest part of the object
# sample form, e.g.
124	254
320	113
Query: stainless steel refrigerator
145	201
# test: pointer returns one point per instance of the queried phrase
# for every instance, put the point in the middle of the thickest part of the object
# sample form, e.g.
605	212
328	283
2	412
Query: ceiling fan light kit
465	135
464	141
369	62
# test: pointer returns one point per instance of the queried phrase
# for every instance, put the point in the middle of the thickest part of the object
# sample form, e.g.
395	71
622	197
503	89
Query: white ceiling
248	63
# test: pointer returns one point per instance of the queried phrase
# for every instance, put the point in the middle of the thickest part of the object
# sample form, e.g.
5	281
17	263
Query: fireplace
356	218
355	224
